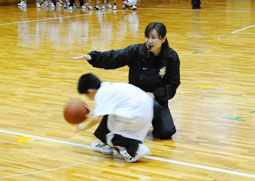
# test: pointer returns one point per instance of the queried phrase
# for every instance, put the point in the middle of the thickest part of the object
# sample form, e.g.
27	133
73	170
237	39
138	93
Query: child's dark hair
88	81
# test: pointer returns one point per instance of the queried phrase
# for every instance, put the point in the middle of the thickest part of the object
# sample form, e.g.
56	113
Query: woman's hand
86	57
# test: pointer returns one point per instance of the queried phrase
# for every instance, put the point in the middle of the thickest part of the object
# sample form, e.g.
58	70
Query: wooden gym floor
214	107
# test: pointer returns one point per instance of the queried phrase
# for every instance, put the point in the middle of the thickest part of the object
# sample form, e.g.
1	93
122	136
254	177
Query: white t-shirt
129	109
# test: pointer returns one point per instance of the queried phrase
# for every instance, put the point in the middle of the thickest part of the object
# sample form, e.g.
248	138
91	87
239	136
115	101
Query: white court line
245	33
217	10
52	169
201	167
46	19
36	20
28	21
243	29
44	138
148	157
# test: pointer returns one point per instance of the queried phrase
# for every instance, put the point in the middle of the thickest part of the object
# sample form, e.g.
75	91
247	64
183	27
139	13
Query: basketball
76	111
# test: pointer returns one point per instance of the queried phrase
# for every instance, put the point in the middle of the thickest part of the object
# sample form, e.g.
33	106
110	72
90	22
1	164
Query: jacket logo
162	71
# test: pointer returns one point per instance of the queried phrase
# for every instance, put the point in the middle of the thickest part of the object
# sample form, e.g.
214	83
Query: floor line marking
36	20
202	167
23	139
245	33
218	10
148	157
243	28
28	21
46	19
44	138
51	169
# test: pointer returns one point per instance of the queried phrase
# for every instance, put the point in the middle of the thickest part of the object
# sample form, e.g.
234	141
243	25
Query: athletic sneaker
109	6
133	7
125	7
97	7
75	5
58	4
51	4
114	7
90	8
45	4
121	153
38	5
21	3
102	148
142	151
117	155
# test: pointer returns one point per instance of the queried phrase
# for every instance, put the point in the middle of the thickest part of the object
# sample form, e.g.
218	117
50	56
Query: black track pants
163	125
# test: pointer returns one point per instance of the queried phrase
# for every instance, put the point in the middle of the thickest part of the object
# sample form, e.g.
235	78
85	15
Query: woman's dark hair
88	81
159	27
161	30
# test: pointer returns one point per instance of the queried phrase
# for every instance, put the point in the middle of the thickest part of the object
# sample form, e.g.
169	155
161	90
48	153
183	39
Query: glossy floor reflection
213	108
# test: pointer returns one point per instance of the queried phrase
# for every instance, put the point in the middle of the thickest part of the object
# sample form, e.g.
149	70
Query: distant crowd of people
83	4
87	4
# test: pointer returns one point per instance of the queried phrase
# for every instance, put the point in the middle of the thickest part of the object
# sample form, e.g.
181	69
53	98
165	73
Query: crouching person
130	113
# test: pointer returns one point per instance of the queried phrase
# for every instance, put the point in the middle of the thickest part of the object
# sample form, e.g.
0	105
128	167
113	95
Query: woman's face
154	42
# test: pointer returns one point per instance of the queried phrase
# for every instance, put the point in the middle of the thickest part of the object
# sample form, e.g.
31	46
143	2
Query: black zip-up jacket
146	73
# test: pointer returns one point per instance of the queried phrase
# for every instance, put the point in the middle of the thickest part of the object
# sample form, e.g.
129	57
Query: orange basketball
76	111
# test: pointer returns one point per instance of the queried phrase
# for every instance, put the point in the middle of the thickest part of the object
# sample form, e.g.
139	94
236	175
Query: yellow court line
200	87
222	82
23	138
206	86
229	88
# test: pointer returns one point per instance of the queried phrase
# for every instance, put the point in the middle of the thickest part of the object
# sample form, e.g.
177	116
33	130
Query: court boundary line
148	157
247	27
52	169
219	10
245	33
46	19
37	20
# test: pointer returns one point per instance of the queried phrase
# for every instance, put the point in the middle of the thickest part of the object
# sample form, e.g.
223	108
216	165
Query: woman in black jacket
154	67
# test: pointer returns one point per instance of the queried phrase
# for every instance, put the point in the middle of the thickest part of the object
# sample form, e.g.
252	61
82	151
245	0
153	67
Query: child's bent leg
131	150
102	130
131	145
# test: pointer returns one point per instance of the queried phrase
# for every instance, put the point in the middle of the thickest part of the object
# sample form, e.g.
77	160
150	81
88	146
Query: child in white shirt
129	110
